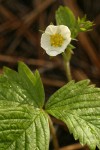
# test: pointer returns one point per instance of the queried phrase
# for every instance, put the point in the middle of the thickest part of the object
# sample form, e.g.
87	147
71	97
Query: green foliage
23	124
26	86
78	105
83	25
64	16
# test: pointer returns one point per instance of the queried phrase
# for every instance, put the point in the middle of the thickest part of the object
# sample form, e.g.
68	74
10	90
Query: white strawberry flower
55	39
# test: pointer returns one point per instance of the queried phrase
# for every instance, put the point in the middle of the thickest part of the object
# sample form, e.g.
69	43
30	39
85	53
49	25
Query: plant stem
67	57
53	133
68	71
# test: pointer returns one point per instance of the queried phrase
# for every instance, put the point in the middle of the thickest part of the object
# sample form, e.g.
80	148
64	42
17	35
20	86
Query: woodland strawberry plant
25	116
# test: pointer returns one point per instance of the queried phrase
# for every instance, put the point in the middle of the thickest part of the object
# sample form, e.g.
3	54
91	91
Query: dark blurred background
20	22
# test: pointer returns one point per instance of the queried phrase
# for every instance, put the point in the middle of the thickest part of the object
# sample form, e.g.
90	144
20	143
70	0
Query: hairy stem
53	133
67	57
68	71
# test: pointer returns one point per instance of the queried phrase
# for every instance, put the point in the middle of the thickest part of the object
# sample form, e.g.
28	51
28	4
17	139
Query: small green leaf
64	16
78	105
70	46
26	86
23	124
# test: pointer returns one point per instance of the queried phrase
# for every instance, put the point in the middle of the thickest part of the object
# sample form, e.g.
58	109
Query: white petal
53	51
51	29
45	41
65	31
65	44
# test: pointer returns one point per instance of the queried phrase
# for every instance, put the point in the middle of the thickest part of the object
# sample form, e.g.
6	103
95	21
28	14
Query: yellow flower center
56	40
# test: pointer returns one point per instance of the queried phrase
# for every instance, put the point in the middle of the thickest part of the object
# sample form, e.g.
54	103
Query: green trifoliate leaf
23	128
78	105
23	125
26	86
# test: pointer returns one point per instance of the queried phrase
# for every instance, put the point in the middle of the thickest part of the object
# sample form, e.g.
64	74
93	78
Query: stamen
56	40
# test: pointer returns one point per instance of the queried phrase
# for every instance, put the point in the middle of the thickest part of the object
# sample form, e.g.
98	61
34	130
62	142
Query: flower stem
53	133
68	71
67	57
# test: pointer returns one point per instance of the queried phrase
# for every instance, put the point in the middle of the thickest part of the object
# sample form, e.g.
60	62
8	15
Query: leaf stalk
53	133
